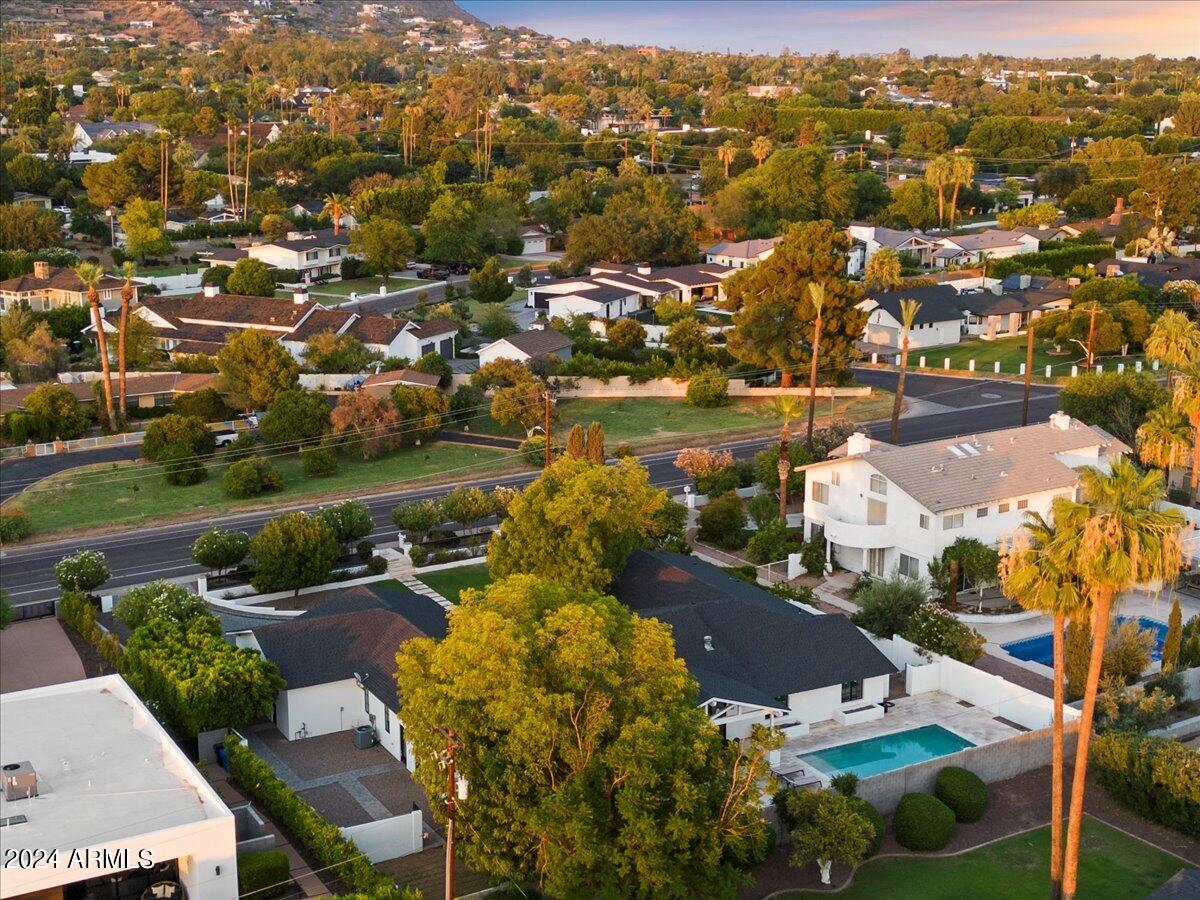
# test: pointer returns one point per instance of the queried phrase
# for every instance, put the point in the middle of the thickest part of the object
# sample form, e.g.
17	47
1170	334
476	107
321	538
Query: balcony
854	534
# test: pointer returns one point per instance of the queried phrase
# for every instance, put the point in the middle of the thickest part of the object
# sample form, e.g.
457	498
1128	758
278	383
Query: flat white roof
106	769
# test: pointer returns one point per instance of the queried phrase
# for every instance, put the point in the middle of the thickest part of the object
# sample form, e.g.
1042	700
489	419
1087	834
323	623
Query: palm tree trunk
121	326
1195	456
898	401
102	347
785	466
812	382
952	587
941	204
953	206
1100	611
1056	764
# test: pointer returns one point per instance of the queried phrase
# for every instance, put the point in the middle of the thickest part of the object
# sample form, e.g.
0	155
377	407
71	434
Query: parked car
225	438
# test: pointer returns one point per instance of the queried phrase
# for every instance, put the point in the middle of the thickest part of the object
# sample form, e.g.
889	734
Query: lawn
451	582
335	292
129	493
1010	353
1112	865
163	271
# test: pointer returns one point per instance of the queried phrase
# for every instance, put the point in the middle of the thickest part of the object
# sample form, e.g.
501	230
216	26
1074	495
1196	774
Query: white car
225	438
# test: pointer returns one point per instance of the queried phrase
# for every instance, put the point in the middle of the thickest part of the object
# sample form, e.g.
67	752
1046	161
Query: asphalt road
147	553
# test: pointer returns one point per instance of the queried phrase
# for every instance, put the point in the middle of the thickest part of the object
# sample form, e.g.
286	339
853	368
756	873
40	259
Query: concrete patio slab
36	653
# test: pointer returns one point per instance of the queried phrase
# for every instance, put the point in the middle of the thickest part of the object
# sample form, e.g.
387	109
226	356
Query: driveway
36	653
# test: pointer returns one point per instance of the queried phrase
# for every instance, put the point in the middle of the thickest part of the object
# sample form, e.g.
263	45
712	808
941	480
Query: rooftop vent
708	644
1061	421
20	781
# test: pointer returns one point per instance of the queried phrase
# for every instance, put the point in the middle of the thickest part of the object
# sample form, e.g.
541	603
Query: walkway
401	568
37	653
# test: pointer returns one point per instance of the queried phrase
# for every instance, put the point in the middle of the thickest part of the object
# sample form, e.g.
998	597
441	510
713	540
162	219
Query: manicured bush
885	605
264	874
723	522
14	524
963	791
83	571
623	451
938	631
708	390
376	565
293	551
251	477
364	550
770	543
876	820
845	783
219	550
923	822
181	466
318	462
175	430
158	600
1157	778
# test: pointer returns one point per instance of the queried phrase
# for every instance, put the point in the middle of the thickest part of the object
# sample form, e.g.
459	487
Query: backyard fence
388	838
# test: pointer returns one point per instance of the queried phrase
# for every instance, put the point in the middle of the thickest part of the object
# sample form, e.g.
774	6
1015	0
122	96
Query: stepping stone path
400	567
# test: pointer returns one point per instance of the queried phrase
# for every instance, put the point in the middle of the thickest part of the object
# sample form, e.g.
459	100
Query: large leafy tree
254	368
773	307
797	185
578	523
591	770
143	222
58	409
384	244
369	423
295	416
645	222
251	277
422	411
451	231
293	551
329	352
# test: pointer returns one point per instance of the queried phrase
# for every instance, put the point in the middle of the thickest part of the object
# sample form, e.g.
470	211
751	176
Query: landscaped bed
1112	865
451	582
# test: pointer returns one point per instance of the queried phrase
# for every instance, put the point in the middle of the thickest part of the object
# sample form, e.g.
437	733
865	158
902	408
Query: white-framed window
1022	504
335	252
878	484
952	521
981	513
311	255
835	478
909	566
851	690
1003	508
923	521
820	492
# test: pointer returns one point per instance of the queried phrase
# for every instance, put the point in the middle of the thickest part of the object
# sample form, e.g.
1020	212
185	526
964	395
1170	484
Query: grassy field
451	582
129	493
1010	353
1112	866
335	292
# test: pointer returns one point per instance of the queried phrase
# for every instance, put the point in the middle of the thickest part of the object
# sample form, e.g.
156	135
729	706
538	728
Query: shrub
80	613
364	550
1127	651
622	451
708	390
264	874
293	551
963	791
15	524
206	404
1158	778
923	822
466	403
886	604
723	522
175	430
812	556
349	521
770	543
533	449
318	462
219	550
243	447
181	466
845	783
419	555
158	600
251	477
935	629
718	482
376	565
875	818
83	571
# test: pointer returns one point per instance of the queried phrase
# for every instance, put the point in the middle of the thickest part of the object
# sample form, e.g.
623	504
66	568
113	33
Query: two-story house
883	509
87	133
316	255
740	254
872	238
50	287
994	243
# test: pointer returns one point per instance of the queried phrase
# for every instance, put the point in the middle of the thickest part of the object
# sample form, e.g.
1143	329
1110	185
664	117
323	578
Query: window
981	513
820	492
909	566
851	690
1022	504
876	512
387	720
335	252
1003	508
311	255
923	521
954	521
878	484
835	478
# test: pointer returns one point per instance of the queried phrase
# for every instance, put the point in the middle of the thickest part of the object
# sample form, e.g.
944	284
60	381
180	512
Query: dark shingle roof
763	647
321	237
1183	885
938	302
424	612
539	342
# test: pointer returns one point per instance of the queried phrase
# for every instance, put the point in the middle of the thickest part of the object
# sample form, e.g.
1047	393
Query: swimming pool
887	752
1040	648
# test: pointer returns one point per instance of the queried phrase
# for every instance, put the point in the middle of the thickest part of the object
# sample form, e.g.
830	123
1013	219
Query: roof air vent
708	644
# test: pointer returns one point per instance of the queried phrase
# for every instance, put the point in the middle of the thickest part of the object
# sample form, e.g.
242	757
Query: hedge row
320	837
1060	260
1155	777
80	613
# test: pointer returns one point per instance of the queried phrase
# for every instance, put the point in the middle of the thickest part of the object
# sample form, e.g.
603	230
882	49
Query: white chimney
211	290
300	295
1026	281
1061	421
858	444
643	269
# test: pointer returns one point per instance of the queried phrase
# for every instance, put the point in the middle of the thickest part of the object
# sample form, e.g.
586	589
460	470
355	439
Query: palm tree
90	274
1125	537
1186	400
961	172
1174	340
1163	440
726	153
1038	571
335	206
760	148
786	408
24	141
908	314
817	292
937	175
129	269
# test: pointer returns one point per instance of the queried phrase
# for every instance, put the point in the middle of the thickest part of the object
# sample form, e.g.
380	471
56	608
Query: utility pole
860	157
887	165
1028	372
546	426
625	146
451	809
1092	335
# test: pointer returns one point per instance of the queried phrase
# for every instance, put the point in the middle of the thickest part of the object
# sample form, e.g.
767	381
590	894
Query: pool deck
976	724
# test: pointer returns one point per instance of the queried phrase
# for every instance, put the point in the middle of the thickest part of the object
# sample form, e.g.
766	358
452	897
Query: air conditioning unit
20	781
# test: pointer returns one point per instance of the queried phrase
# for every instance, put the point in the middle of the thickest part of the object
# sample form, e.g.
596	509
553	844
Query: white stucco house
874	237
994	243
884	509
525	346
533	241
938	322
741	254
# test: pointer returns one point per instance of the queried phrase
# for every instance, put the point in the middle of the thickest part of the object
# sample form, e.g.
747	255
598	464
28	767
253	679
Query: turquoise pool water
890	751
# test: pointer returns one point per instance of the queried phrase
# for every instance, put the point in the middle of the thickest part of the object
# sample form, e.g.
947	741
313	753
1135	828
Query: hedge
1155	777
264	874
15	524
1059	260
963	791
876	820
923	822
318	836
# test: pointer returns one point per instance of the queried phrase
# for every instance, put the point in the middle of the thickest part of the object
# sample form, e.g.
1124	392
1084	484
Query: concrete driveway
36	653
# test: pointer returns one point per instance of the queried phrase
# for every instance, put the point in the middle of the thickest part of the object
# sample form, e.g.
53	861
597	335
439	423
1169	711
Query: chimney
1026	281
41	269
1118	212
20	781
211	290
858	444
1061	421
300	295
643	269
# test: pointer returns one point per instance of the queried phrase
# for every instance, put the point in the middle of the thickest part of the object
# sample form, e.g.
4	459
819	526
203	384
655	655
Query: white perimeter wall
388	838
337	706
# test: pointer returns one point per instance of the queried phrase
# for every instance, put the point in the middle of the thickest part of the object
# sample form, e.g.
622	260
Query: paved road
147	553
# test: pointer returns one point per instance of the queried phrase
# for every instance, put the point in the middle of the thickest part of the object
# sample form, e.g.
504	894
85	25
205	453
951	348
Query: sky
1124	28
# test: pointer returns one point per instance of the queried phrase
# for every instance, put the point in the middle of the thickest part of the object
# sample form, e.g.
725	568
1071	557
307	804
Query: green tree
24	226
218	551
254	368
795	185
159	600
914	205
205	404
57	407
274	226
1117	403
451	231
338	353
829	828
83	571
626	334
883	270
349	521
646	222
576	727
578	523
489	283
6	610
173	430
251	277
384	244
496	322
293	551
143	224
689	339
295	417
773	308
1174	638
422	411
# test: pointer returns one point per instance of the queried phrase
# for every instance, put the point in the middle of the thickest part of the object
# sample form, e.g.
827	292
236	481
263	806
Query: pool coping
829	777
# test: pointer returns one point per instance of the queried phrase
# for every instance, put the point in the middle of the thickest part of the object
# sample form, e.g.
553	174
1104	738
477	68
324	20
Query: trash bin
222	756
364	737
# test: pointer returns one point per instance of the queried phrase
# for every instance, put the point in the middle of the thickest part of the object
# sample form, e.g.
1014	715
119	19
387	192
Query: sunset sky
1022	27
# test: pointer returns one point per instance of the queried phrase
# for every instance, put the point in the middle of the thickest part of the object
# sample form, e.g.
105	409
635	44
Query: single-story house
314	208
1108	227
87	133
381	384
758	659
1156	274
741	254
524	346
939	321
993	243
1006	309
142	389
583	297
25	198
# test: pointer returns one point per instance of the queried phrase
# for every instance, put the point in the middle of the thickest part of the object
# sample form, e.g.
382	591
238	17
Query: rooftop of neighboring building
59	278
310	240
538	341
751	249
989	239
938	302
1174	268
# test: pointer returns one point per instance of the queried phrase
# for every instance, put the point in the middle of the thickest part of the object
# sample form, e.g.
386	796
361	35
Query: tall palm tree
129	269
1038	571
335	206
90	274
1125	538
1174	340
908	315
1186	400
937	175
786	408
817	293
760	148
726	153
1164	439
961	171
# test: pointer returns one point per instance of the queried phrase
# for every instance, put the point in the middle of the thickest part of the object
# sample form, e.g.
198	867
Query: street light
112	226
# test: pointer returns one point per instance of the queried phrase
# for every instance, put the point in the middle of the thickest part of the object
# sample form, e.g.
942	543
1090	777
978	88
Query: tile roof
431	328
233	309
538	342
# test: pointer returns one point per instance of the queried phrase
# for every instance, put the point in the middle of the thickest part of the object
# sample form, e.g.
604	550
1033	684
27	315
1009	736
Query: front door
875	562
